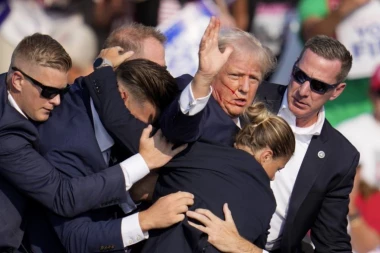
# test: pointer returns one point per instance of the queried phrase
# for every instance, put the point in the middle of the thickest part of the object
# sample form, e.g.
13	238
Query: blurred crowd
81	27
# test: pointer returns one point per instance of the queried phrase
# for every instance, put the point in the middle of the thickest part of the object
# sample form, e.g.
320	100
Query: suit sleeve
82	234
184	119
329	232
28	171
116	118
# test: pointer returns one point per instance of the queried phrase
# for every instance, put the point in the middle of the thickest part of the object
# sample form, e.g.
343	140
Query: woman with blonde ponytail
267	137
220	174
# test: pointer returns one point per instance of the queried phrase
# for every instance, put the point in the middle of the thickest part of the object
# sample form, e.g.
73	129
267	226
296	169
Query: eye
233	76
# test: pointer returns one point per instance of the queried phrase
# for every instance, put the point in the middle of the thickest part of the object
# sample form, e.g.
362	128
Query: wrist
241	245
144	221
200	85
102	62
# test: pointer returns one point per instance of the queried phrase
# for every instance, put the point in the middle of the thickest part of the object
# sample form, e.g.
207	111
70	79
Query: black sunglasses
315	85
46	91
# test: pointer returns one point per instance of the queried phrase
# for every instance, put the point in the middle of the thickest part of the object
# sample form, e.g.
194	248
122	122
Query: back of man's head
245	43
130	37
42	50
330	49
147	81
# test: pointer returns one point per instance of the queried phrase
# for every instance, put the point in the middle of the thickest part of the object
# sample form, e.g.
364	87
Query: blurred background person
61	19
276	24
327	17
363	132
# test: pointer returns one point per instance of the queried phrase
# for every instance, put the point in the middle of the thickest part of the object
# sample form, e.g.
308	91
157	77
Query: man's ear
123	93
16	82
337	91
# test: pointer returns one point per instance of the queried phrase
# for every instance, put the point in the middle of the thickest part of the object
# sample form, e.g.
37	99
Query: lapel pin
321	154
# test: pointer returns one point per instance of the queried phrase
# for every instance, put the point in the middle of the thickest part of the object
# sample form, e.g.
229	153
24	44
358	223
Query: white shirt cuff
134	168
131	231
189	105
129	205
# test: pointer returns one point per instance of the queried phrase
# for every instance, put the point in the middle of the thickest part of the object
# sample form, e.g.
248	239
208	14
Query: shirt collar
289	117
15	105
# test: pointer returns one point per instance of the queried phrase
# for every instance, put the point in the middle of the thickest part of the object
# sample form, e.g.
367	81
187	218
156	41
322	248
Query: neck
306	122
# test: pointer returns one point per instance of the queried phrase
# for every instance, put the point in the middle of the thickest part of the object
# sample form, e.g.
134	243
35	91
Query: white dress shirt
189	105
130	226
284	182
15	105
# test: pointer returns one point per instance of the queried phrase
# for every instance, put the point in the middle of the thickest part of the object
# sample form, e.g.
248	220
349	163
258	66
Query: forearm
244	246
363	237
200	86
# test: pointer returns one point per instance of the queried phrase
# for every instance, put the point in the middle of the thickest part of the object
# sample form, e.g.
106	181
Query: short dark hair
330	49
131	36
148	81
43	50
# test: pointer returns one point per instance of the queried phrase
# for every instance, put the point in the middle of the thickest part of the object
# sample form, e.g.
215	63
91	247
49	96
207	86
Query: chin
42	118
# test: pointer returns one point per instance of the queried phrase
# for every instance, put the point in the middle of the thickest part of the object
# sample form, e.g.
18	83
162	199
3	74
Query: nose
244	84
56	100
304	89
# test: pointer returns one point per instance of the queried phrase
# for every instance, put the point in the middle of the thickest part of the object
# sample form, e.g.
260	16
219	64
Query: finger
179	149
146	132
207	213
199	217
227	52
179	217
159	133
227	214
185	201
158	137
127	55
199	227
181	209
206	34
179	195
215	31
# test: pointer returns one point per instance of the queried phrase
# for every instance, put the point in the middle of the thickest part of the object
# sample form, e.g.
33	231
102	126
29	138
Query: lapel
311	166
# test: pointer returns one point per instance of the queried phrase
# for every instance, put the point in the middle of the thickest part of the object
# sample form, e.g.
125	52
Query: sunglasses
315	85
46	91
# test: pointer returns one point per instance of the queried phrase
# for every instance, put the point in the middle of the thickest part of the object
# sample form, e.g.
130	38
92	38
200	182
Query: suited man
312	192
146	87
107	100
23	172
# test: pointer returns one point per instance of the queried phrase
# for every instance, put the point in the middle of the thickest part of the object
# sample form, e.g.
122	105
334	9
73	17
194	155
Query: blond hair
42	50
265	129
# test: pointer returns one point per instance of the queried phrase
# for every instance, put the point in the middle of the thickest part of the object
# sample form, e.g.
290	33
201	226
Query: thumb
146	132
127	55
227	52
227	213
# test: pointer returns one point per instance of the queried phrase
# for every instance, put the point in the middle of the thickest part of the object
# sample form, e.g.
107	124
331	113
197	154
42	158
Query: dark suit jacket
216	175
215	163
211	125
320	196
321	193
67	141
24	174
